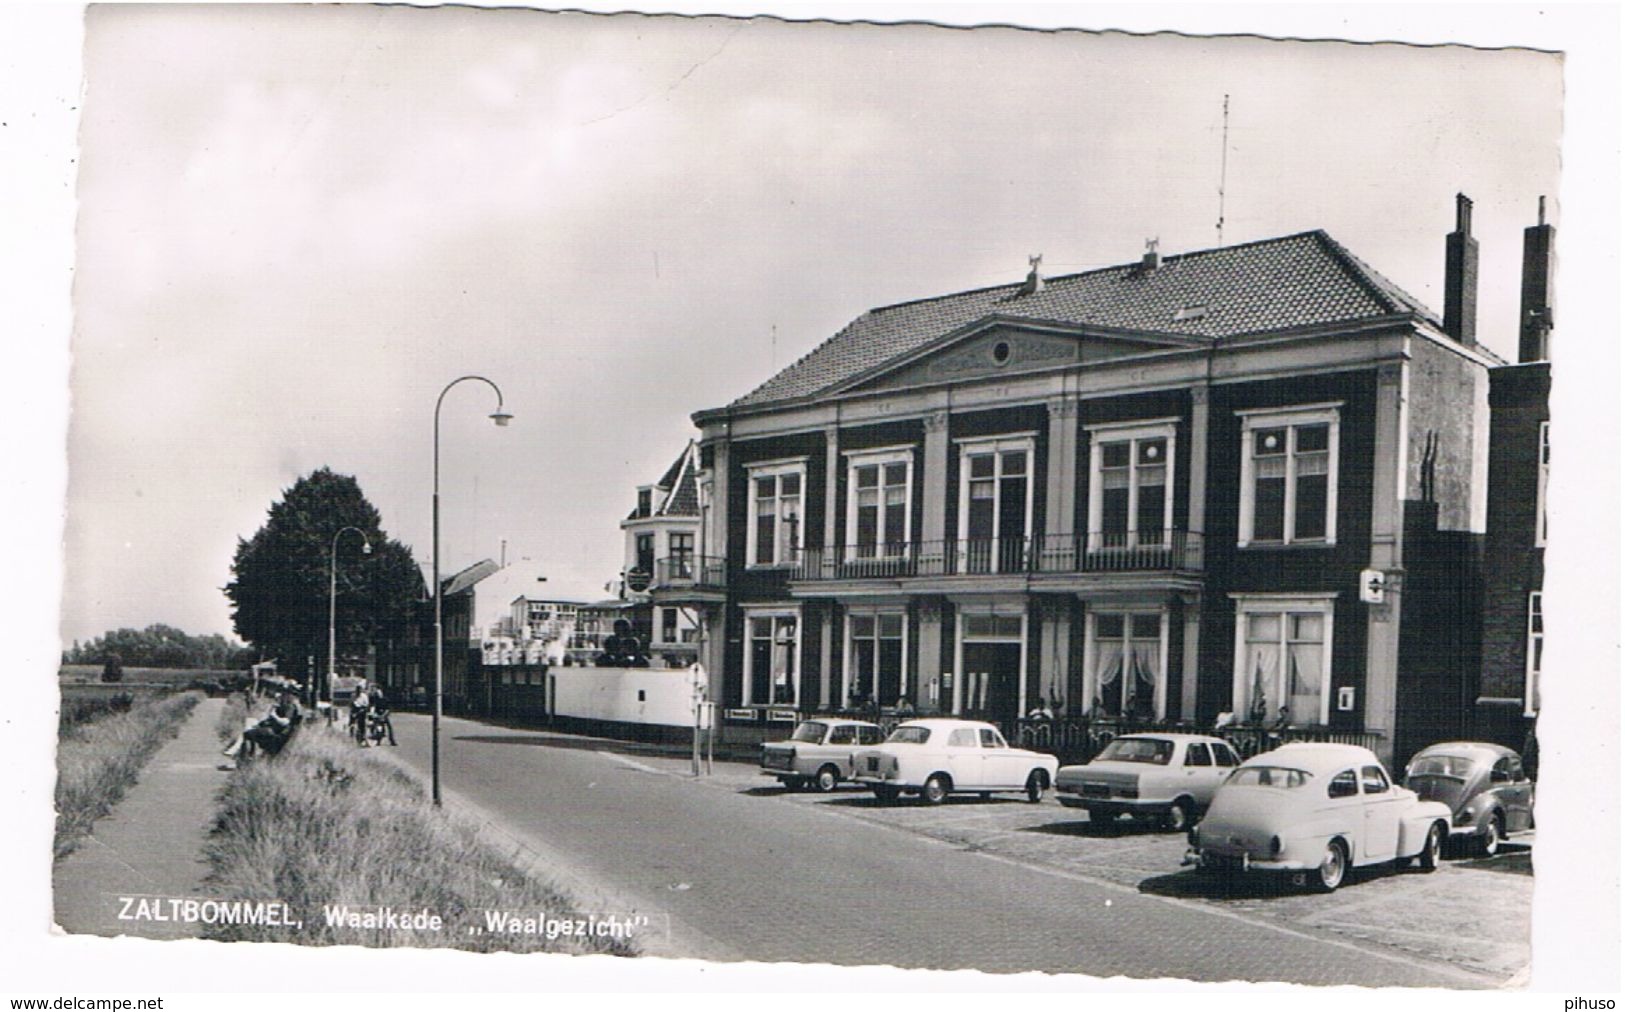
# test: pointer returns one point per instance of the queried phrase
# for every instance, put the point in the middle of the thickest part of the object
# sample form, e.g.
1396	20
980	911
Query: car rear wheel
1036	782
826	779
1334	864
935	790
1489	844
1432	848
1179	816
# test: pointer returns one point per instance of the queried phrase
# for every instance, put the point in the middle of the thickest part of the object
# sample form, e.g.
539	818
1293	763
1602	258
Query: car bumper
1114	806
1222	861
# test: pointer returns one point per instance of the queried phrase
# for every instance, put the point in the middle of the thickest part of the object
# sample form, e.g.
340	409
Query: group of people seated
267	734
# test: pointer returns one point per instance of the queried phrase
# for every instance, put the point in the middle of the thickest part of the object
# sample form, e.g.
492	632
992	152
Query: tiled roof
466	578
1254	288
682	498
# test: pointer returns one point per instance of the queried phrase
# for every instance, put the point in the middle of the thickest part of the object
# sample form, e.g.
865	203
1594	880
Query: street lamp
332	609
501	418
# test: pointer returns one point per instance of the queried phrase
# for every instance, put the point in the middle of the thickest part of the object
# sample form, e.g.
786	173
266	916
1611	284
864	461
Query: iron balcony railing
1098	552
690	572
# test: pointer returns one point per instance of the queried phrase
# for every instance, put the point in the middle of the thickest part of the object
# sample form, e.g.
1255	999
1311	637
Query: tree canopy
160	646
279	585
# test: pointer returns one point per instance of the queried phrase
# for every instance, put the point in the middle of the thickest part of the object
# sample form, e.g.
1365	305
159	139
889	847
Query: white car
1316	810
938	757
819	752
1171	777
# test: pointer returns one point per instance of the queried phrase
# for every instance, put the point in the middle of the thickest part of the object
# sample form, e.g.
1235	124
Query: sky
296	225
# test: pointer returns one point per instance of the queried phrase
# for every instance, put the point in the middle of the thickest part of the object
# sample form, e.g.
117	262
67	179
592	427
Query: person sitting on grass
271	733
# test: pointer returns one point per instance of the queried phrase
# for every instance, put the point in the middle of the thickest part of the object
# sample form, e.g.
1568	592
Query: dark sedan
1485	786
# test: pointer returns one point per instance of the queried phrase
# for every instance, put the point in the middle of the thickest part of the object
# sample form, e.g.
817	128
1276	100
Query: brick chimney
1461	276
1535	308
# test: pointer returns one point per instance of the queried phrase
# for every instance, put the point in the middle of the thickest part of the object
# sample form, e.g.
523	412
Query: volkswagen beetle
1316	810
1485	786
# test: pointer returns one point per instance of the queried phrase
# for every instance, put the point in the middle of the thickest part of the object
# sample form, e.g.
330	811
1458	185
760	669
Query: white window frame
1159	697
1290	418
1544	462
848	669
795	675
1283	605
995	445
775	469
1533	638
1131	433
997	611
878	458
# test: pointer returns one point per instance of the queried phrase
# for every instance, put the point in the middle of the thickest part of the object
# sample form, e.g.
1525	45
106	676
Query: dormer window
1186	314
645	497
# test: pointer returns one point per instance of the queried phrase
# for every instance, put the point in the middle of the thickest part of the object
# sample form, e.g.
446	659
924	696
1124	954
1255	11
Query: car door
965	761
1000	762
1381	806
839	746
1201	773
1507	779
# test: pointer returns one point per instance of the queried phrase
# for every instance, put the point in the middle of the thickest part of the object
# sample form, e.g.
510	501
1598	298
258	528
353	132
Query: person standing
359	704
380	710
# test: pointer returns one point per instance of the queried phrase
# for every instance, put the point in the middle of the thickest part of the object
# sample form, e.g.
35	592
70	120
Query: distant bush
113	669
83	710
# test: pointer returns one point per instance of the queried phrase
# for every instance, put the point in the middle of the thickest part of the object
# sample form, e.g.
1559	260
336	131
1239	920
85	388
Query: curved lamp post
333	608
501	418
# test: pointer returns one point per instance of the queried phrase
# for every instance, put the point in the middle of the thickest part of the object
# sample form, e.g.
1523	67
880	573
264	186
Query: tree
113	670
161	646
279	586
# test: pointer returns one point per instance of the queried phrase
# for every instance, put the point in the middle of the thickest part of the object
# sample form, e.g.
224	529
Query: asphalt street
738	873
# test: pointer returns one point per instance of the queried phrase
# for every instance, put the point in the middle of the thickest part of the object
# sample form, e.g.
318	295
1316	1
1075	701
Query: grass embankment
326	825
232	718
97	758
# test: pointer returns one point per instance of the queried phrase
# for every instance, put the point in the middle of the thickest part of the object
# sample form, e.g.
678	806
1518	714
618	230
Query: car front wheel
935	790
826	780
1489	844
1334	864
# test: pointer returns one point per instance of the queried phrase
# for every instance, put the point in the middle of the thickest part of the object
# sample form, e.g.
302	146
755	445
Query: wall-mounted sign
1345	698
782	715
637	580
744	714
1372	584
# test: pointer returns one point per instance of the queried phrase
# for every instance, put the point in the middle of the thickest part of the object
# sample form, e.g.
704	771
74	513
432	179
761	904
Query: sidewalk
151	844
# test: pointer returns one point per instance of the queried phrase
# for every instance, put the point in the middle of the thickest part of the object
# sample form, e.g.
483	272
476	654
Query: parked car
1316	810
818	753
1168	777
938	757
1483	784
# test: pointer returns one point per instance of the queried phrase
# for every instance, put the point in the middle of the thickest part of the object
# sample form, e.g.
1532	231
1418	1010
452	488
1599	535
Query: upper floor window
1540	492
995	503
1289	476
644	504
1536	646
645	550
680	548
878	511
1131	499
778	494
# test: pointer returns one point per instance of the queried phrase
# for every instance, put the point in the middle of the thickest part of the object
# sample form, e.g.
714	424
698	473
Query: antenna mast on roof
1224	165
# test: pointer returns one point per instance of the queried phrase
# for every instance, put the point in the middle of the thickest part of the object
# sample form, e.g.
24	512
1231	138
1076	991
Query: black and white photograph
910	498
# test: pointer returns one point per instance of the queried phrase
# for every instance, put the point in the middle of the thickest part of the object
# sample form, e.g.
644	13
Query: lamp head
366	547
501	417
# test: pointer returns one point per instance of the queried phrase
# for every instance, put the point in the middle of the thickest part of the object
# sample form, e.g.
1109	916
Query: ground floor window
992	657
1283	659
876	658
1126	667
772	650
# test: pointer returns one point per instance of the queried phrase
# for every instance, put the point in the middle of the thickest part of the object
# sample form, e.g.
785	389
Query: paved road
744	877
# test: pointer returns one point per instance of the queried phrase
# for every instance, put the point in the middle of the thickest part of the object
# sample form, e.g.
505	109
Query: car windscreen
1137	750
1456	766
1280	777
909	736
810	731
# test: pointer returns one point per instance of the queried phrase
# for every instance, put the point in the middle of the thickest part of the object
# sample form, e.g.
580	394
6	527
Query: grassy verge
97	759
232	716
326	825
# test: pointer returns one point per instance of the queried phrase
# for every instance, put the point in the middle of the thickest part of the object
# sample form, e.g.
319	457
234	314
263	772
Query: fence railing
700	572
1079	739
1097	552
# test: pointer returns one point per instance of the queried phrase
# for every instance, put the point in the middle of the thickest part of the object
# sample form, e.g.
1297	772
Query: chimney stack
1151	260
1535	308
1461	276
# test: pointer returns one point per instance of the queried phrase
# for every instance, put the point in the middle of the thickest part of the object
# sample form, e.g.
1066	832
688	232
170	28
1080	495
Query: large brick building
1239	480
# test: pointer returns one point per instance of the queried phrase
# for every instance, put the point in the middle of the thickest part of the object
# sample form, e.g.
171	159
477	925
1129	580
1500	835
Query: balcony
1172	551
682	578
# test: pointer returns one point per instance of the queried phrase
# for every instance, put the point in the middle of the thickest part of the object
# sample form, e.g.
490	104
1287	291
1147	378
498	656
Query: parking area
1473	912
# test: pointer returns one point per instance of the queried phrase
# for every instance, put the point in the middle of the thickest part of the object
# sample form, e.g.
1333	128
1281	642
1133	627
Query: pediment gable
992	348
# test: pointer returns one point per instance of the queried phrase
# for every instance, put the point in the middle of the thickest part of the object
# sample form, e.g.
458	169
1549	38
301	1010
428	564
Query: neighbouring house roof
681	495
1294	281
465	579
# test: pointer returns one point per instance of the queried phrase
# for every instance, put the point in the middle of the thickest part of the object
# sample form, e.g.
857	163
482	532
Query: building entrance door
991	679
